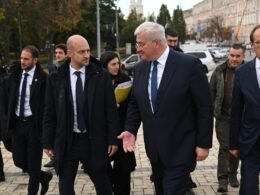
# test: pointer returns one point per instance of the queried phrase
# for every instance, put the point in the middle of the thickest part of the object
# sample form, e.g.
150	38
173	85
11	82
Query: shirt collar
162	59
73	70
30	72
257	63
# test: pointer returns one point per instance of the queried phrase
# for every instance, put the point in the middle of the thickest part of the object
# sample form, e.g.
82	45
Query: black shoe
45	180
223	185
233	181
2	177
49	164
152	177
191	183
84	169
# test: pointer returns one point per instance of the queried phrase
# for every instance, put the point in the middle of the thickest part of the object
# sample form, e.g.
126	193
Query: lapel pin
35	80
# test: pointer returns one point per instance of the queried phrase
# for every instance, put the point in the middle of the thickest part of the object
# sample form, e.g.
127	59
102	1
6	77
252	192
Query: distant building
187	14
137	5
230	10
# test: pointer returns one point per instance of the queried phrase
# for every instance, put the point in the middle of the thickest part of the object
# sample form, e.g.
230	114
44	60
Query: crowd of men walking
72	115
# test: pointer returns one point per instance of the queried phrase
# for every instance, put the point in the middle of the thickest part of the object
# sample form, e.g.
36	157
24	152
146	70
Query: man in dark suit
80	119
171	97
245	119
23	100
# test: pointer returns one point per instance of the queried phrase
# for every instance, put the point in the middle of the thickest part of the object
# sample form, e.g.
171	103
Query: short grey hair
154	30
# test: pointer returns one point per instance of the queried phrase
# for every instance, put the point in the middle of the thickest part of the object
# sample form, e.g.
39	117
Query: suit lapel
35	81
169	70
14	90
147	68
90	85
253	76
64	80
16	84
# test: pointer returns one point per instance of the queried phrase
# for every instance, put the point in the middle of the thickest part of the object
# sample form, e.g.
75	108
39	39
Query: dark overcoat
99	113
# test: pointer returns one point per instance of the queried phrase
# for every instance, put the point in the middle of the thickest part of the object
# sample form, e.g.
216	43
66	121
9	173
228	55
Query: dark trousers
80	152
120	172
250	169
1	164
170	180
27	153
227	164
120	181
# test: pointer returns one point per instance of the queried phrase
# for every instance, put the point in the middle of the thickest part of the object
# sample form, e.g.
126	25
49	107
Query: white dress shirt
27	108
73	80
161	65
257	67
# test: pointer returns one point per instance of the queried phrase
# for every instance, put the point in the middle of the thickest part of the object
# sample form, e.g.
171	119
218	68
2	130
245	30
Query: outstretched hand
128	141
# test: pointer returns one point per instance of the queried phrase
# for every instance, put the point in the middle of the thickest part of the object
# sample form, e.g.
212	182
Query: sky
150	6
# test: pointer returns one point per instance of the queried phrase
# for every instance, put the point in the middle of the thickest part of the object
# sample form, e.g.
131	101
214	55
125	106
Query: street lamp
117	32
98	31
49	48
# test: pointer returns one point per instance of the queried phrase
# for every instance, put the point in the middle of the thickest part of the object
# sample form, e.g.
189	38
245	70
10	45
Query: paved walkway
204	176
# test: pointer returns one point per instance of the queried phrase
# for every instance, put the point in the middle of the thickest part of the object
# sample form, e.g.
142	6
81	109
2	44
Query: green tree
1	14
42	19
132	22
87	26
7	24
35	21
179	24
151	18
121	24
108	23
164	16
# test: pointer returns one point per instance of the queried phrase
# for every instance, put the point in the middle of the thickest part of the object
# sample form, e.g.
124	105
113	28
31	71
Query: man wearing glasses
245	119
171	97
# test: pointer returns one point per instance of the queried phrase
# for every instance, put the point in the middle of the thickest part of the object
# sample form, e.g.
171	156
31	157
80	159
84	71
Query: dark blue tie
80	102
23	93
154	84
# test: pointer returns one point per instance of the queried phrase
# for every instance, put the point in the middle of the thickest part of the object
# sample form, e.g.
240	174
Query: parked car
129	63
205	57
248	46
219	54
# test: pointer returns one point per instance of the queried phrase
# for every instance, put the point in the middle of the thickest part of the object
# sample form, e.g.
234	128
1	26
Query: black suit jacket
100	114
245	114
11	85
3	73
184	115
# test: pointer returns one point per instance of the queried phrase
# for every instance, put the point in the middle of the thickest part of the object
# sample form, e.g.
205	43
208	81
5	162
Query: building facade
240	15
137	5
